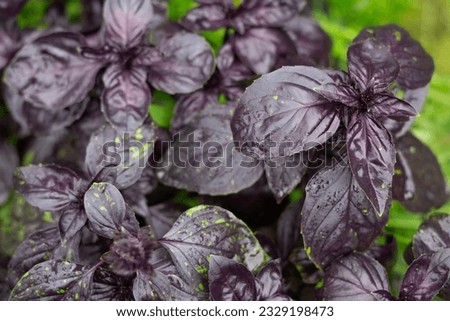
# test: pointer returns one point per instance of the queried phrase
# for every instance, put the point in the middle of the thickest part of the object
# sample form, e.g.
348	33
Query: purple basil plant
273	181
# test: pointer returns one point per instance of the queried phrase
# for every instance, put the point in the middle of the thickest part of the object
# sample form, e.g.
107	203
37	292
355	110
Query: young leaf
126	97
372	158
356	277
186	62
337	217
371	64
50	188
416	65
203	158
283	107
54	281
230	280
203	231
426	276
129	254
126	22
50	72
105	209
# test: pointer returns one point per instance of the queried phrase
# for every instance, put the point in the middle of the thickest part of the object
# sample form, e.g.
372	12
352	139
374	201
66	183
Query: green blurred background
427	20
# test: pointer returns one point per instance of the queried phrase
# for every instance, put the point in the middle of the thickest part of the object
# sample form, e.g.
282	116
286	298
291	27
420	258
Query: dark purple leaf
105	209
50	72
203	158
126	22
384	252
36	248
10	42
269	283
203	231
136	195
111	287
10	8
284	174
282	107
288	228
37	120
229	65
371	65
130	223
166	283
403	187
186	62
71	221
337	217
154	287
341	93
264	13
432	236
50	188
126	97
416	98
161	217
120	158
260	48
255	205
372	158
10	160
230	280
224	3
356	277
388	105
129	254
55	281
206	17
426	276
268	243
422	171
309	38
416	65
188	107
